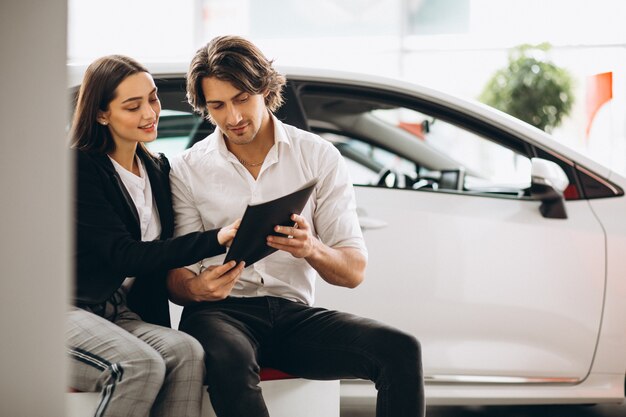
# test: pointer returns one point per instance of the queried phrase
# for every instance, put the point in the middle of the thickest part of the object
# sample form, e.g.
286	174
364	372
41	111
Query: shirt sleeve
335	215
187	218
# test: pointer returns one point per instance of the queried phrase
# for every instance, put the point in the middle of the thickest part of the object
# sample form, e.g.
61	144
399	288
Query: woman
124	225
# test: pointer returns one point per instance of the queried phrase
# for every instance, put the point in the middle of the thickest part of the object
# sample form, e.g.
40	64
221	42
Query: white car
500	249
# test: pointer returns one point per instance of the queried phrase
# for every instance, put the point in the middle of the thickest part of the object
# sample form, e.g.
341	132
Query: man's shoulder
304	138
196	153
299	134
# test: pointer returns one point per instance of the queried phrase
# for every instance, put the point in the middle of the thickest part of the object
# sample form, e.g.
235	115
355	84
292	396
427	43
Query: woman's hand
226	234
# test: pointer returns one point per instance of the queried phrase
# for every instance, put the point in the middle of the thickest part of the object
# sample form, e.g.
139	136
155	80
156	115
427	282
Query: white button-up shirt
211	189
140	191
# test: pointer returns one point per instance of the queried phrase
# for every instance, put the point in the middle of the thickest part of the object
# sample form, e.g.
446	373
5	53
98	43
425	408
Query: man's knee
396	350
224	344
229	354
232	357
402	361
407	346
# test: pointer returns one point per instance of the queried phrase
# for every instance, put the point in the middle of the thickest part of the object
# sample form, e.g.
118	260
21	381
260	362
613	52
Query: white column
34	207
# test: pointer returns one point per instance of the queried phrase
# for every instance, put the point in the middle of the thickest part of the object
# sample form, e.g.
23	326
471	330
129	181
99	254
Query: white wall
147	30
34	207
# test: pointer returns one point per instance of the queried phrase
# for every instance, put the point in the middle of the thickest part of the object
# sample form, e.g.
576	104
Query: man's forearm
214	283
344	267
179	286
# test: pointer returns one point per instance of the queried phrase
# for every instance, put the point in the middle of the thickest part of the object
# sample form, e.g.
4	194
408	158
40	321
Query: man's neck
252	155
255	152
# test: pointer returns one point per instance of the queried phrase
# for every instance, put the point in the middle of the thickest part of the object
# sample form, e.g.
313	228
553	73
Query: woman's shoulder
90	161
156	160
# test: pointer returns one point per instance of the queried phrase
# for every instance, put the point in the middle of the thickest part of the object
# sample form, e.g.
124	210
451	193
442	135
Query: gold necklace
250	164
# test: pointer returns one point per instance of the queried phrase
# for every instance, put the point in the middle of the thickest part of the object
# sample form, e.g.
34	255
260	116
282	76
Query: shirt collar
280	134
219	144
127	176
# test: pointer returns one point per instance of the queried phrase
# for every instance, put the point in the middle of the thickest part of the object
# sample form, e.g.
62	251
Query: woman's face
133	114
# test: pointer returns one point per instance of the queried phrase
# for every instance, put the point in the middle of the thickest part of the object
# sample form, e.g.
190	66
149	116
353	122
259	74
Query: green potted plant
531	88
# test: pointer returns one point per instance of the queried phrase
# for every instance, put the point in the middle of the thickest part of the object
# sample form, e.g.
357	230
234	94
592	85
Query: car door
494	291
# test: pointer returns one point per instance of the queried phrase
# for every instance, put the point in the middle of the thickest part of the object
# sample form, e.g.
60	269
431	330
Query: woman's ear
102	118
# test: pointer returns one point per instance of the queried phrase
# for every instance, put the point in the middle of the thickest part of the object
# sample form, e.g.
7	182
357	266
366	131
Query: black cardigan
108	246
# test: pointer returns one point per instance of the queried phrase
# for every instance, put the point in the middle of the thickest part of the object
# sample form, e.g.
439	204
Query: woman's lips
148	128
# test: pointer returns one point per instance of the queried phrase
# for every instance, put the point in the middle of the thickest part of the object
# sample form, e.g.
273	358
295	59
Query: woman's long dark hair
96	93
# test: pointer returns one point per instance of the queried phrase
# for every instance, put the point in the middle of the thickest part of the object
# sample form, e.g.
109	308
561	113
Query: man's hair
239	62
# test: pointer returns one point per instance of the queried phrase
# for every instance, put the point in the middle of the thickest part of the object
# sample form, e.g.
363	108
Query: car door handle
369	223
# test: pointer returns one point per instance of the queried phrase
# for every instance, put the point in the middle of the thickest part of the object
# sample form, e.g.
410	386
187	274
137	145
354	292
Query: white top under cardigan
140	191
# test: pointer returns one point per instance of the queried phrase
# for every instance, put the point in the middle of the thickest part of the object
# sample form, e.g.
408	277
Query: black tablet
259	220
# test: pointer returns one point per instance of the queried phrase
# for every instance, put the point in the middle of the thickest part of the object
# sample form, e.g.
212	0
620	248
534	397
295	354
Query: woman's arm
101	229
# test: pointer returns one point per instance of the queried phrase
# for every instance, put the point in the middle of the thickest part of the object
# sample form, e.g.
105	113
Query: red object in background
599	91
414	128
269	374
571	192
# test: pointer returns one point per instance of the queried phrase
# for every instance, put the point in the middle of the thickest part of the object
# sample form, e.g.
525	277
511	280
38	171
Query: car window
488	166
388	145
366	162
176	131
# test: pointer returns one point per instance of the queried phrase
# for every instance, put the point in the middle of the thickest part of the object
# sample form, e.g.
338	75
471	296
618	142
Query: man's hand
298	240
342	266
226	234
214	283
217	281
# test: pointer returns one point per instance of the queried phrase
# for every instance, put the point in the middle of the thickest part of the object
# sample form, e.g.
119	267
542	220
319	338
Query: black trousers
240	335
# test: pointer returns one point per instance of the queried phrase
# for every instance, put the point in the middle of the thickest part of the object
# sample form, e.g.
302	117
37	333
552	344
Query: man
265	317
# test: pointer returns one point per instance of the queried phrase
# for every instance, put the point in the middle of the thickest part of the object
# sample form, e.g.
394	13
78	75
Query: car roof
475	109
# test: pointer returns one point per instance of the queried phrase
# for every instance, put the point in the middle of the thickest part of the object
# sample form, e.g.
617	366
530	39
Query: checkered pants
140	369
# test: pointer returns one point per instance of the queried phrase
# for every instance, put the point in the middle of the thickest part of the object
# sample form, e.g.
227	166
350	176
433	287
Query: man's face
238	114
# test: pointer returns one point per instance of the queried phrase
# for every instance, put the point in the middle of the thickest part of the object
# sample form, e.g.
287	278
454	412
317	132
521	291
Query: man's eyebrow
220	101
139	98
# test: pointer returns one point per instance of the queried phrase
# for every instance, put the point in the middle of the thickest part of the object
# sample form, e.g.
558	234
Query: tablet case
259	220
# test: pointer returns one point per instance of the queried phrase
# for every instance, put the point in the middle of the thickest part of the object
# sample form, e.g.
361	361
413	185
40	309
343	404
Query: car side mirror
548	184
